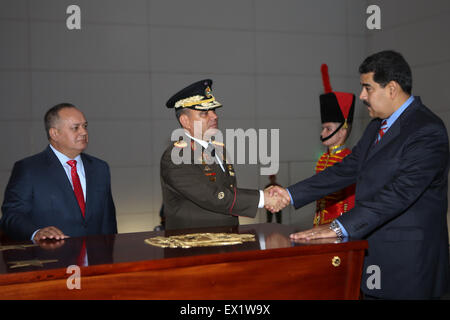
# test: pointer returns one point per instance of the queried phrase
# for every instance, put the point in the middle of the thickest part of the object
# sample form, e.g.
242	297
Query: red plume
325	78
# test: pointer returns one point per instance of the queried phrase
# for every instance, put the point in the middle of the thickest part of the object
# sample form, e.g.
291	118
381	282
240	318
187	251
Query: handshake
276	198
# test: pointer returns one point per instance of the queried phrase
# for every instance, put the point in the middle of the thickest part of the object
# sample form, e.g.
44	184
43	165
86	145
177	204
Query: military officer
336	111
198	182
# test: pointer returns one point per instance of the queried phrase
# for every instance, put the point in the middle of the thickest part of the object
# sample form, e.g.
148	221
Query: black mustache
366	103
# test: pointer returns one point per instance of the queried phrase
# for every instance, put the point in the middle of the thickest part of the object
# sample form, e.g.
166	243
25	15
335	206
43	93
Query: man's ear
341	133
394	89
53	133
184	120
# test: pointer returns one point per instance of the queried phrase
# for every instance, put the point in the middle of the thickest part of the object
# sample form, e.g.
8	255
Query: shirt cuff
292	201
344	232
34	233
261	199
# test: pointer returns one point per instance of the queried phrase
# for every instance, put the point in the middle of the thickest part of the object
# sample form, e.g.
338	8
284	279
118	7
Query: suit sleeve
327	181
184	178
424	165
16	221
109	218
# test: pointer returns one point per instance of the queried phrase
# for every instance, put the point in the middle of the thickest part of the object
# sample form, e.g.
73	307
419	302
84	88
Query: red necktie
82	256
77	185
382	130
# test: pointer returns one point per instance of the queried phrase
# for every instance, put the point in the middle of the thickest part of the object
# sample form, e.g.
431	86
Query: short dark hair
179	112
52	115
388	66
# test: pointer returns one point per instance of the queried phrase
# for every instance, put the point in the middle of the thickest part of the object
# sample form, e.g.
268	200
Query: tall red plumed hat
335	106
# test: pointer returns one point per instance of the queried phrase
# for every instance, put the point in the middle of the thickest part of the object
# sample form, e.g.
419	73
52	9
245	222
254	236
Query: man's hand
276	198
319	232
49	233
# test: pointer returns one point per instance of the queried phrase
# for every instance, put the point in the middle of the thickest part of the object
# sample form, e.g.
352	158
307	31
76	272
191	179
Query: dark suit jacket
400	203
39	195
202	195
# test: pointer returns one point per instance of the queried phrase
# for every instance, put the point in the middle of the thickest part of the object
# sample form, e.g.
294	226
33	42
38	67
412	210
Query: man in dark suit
400	167
198	182
61	191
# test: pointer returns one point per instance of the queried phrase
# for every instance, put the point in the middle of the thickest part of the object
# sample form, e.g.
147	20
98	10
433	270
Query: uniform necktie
77	185
382	130
211	149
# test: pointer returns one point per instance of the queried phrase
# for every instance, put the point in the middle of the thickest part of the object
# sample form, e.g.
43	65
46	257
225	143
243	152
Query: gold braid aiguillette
200	240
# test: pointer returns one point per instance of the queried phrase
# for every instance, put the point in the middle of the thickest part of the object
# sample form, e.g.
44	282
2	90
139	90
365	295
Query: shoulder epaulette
180	144
217	143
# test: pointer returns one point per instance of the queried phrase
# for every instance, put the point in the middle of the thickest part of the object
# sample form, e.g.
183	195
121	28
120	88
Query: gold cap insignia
197	96
208	92
198	102
221	195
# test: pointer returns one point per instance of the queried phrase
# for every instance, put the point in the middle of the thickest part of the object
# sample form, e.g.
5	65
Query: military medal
211	175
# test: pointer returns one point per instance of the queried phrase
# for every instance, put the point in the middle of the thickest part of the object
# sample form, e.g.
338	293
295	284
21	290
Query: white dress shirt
67	169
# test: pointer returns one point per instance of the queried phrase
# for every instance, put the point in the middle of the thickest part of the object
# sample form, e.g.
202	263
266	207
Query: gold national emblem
208	92
221	195
17	247
29	263
200	240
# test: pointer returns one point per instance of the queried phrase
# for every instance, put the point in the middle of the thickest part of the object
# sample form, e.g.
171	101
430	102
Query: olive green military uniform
200	194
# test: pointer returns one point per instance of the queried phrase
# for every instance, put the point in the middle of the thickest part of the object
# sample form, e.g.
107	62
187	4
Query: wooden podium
123	266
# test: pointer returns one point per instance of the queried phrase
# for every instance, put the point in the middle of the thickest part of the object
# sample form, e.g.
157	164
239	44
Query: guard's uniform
198	192
333	205
334	107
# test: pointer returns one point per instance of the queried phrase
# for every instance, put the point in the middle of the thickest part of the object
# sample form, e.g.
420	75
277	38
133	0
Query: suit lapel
395	130
59	178
390	136
57	172
89	174
372	134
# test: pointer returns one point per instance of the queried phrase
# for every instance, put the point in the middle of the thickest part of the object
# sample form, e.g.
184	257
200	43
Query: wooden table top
130	252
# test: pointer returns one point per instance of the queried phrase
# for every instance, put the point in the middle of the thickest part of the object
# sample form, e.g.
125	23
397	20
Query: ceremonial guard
336	110
199	188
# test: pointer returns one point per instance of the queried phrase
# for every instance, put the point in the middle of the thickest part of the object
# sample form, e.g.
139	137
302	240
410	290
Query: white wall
264	57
